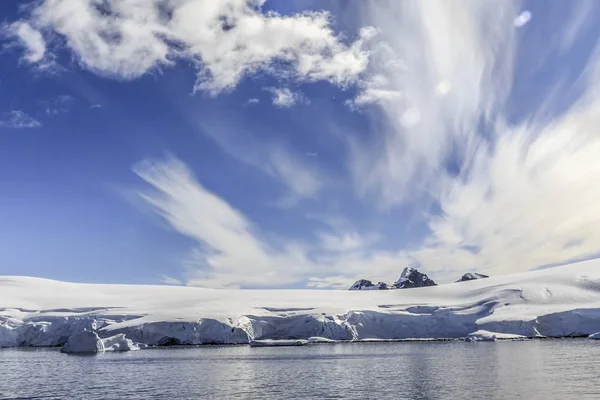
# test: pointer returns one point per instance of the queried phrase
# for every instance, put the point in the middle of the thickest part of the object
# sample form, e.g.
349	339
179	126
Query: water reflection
549	369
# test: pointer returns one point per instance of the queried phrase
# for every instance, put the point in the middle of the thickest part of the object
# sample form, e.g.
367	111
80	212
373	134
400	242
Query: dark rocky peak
365	284
412	278
471	276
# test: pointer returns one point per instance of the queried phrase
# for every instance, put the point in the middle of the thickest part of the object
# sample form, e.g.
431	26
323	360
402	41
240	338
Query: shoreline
311	343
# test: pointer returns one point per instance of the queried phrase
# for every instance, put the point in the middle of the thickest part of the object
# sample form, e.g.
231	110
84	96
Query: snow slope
562	301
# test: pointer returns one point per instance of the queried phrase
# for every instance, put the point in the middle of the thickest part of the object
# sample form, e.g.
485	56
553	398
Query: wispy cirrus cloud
167	280
231	252
18	119
301	178
509	195
427	44
498	194
61	104
495	190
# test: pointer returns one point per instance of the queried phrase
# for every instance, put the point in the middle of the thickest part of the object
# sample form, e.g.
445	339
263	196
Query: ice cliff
557	302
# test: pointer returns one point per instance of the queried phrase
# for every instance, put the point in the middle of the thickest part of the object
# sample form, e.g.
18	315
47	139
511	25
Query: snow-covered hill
562	301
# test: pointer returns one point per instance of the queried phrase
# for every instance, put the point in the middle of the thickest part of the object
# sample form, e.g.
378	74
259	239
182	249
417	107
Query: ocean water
536	369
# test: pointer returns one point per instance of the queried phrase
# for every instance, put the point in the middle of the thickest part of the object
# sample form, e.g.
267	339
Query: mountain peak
471	276
411	278
365	284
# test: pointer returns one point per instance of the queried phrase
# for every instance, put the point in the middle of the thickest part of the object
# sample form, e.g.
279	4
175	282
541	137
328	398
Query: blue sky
296	143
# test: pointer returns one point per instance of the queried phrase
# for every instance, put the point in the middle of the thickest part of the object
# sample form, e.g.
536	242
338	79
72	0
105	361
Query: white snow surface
562	301
595	336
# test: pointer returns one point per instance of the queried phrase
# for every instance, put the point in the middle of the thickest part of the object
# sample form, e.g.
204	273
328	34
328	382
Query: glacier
557	302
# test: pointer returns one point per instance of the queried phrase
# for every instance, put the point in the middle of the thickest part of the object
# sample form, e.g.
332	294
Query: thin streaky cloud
17	119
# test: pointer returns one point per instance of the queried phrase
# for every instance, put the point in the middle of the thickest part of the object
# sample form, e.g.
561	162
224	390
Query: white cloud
330	282
253	101
30	39
525	194
345	242
170	281
230	253
410	117
18	119
226	40
302	179
581	18
443	88
529	201
375	89
521	195
371	95
285	98
451	71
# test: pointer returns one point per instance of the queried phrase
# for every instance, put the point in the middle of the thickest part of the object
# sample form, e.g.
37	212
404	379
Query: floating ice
277	343
84	342
119	343
486	336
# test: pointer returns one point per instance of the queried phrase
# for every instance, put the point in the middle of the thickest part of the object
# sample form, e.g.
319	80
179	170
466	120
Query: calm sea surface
539	369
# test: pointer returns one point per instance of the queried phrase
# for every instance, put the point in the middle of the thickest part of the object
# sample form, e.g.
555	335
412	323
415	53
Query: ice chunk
487	336
119	343
319	339
595	336
277	343
83	342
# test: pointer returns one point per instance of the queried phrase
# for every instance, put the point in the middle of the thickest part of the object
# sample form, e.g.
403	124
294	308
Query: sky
296	144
